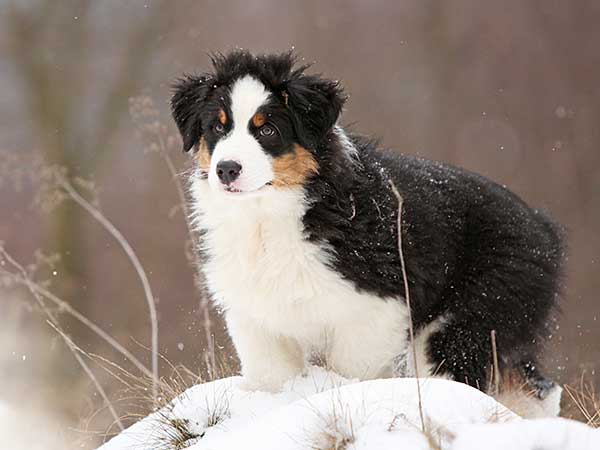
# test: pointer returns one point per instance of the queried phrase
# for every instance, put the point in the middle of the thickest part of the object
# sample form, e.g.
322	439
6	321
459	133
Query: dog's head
255	121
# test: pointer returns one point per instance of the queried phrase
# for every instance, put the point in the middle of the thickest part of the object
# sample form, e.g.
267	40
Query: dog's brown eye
219	128
267	130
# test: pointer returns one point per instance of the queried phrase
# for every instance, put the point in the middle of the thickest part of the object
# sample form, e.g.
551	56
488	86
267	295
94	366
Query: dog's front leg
268	359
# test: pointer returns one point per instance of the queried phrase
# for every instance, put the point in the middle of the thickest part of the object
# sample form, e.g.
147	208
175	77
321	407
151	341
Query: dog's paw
262	385
252	385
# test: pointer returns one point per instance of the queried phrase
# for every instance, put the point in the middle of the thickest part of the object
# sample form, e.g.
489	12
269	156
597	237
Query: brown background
510	89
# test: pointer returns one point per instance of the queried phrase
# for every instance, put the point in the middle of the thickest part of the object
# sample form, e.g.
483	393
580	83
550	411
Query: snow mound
321	410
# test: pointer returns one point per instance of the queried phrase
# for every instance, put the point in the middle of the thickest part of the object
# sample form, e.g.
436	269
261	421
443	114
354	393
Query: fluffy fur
301	248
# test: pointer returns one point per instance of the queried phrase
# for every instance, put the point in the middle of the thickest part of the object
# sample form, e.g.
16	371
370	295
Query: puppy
300	241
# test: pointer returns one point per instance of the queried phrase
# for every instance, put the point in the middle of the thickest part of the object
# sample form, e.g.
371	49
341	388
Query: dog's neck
213	209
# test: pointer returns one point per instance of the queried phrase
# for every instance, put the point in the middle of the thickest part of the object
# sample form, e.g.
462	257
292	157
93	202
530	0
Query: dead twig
156	136
408	305
76	350
122	241
35	289
496	367
53	322
586	402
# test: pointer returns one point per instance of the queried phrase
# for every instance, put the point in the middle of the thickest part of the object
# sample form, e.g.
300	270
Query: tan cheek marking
294	168
222	117
203	156
258	120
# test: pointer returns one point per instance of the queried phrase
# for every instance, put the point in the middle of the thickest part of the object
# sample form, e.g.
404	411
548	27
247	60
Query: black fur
190	93
308	103
475	253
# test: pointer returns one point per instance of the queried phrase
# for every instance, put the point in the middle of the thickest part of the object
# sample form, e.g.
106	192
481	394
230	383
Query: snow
541	434
23	427
321	410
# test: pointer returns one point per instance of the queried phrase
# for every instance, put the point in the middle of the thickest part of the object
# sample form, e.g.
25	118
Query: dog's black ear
189	92
315	103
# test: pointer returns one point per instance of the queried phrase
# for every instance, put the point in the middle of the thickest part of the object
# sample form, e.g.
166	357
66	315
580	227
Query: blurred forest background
510	89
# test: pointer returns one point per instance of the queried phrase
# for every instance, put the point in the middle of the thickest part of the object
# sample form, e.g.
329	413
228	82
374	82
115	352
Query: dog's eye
267	130
219	128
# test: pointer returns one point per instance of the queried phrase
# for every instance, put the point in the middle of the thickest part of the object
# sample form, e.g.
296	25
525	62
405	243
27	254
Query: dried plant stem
53	322
209	356
36	290
408	305
585	399
75	350
495	363
164	153
118	236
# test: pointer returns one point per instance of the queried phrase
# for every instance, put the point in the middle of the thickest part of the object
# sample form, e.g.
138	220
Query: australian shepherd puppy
300	241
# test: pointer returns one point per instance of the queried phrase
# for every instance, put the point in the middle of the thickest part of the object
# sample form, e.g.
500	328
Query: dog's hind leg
525	391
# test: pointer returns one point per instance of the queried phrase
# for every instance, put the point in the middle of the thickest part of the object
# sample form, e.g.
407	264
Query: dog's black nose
228	171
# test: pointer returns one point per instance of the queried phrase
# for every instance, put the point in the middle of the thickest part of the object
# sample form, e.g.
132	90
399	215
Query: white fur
424	366
247	95
347	144
280	298
550	406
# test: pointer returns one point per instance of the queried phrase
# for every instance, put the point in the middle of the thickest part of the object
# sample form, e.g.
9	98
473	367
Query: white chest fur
261	270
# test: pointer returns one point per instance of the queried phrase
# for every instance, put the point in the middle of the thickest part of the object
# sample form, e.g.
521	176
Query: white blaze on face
247	95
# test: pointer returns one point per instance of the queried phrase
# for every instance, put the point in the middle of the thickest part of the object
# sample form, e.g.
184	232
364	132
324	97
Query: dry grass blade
496	366
176	431
408	305
435	434
75	350
53	322
35	289
338	431
585	403
155	135
172	430
118	236
177	435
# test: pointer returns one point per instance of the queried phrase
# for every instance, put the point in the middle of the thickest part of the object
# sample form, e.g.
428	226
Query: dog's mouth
235	191
232	190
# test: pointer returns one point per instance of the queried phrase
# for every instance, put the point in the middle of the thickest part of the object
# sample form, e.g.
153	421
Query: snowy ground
323	411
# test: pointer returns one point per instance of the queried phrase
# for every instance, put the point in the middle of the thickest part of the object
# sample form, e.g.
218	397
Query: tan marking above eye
222	117
292	169
258	120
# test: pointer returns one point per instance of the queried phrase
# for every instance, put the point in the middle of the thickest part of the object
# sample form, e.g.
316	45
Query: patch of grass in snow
219	411
337	431
175	434
177	429
435	433
333	437
136	397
